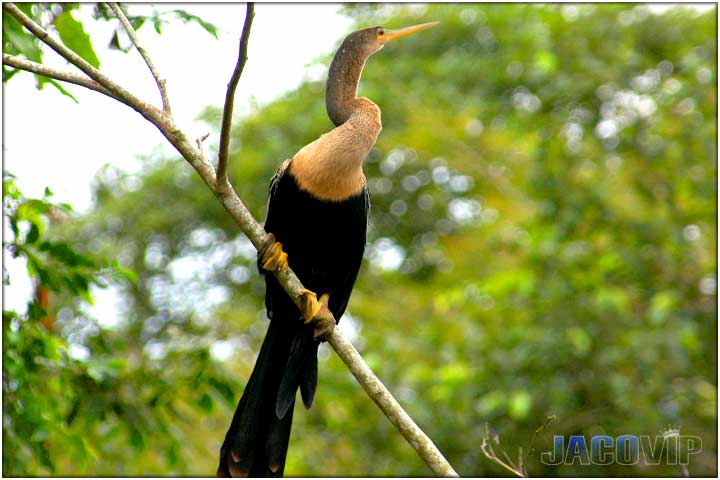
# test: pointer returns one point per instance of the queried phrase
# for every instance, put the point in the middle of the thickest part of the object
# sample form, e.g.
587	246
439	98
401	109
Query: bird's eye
380	33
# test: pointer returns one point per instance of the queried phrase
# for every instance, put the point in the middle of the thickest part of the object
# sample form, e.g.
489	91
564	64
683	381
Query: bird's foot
272	257
317	313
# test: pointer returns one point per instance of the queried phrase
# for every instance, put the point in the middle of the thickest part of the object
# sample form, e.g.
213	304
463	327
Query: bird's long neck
342	81
330	168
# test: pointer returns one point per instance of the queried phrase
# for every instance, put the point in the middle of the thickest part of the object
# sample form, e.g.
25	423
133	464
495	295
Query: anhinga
317	213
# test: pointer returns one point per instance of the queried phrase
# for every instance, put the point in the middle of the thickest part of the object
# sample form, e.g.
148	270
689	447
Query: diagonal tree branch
255	233
69	77
222	177
160	81
389	406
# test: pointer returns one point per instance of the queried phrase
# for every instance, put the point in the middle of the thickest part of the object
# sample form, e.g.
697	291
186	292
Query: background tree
542	242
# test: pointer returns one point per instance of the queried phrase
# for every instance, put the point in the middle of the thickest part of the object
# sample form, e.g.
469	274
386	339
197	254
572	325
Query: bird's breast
319	236
330	168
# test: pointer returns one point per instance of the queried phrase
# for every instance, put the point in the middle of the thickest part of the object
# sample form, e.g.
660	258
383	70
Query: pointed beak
403	32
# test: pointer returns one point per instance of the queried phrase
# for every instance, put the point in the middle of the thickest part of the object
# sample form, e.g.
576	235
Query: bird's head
347	66
370	40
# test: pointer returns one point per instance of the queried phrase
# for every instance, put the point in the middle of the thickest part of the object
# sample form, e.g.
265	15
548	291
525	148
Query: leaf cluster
74	393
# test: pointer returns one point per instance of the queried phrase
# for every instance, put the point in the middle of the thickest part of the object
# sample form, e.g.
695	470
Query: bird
316	224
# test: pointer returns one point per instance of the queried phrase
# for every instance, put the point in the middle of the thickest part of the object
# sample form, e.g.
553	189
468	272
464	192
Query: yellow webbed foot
272	256
317	313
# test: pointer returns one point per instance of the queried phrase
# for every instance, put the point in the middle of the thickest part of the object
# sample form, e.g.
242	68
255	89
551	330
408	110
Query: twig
70	77
519	469
542	427
199	141
222	178
487	449
148	61
256	234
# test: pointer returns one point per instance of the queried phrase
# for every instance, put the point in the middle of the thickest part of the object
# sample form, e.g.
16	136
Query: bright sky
48	140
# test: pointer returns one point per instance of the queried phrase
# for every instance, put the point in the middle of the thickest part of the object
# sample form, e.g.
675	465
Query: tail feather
309	377
276	445
257	441
301	370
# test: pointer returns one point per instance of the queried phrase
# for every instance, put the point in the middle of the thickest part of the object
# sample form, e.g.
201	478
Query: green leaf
8	73
519	405
205	402
136	439
74	37
137	22
10	189
188	17
62	90
490	402
579	339
102	370
19	41
43	80
35	311
662	306
171	455
30	209
224	389
33	234
546	62
115	42
157	24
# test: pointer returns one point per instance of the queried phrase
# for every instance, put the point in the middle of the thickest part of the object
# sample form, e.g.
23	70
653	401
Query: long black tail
257	442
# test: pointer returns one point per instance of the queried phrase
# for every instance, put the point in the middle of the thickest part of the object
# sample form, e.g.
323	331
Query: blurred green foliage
542	241
76	397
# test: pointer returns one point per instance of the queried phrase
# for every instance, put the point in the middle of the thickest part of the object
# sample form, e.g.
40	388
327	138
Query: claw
272	256
317	313
310	305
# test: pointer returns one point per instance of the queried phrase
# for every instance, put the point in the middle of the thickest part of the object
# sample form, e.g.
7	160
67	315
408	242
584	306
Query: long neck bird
316	223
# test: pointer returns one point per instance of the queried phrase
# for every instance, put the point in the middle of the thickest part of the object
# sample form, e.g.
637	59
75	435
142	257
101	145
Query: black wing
324	240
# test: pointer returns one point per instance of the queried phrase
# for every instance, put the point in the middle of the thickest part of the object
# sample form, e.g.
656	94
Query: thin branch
390	407
487	449
520	470
222	178
531	449
148	61
199	141
256	234
57	74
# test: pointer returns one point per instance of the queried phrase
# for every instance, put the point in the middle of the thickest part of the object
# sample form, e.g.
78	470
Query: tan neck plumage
330	168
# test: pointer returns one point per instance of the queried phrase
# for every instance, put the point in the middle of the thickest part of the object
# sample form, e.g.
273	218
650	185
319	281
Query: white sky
48	140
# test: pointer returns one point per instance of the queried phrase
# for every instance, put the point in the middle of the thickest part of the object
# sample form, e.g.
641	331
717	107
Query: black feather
325	243
309	376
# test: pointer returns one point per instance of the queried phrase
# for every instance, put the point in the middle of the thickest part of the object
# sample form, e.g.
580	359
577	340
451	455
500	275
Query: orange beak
403	32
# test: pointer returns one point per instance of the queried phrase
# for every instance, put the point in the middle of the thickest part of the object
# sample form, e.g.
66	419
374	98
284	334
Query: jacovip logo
670	448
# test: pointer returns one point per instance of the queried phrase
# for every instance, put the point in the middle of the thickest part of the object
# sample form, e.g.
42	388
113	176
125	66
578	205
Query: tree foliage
542	241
